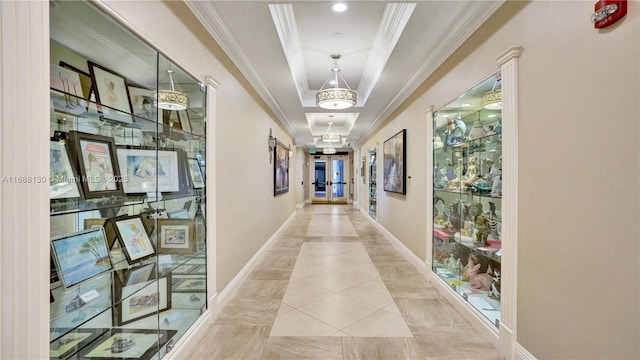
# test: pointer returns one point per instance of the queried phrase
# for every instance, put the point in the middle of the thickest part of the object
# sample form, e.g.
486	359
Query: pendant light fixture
329	150
331	135
172	99
336	97
492	100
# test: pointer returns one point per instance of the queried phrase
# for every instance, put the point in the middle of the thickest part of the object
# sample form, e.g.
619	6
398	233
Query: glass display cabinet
467	196
373	194
127	191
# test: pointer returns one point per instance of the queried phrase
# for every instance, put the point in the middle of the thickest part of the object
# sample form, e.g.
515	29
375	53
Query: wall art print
110	87
176	236
99	171
141	299
394	163
280	169
196	175
63	182
81	256
143	103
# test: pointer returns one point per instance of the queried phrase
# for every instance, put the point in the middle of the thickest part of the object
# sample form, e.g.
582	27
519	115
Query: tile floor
332	287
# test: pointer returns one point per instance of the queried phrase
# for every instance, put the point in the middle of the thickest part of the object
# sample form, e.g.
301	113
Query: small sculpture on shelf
472	171
479	281
477	131
455	183
454	134
495	177
482	229
437	142
494	293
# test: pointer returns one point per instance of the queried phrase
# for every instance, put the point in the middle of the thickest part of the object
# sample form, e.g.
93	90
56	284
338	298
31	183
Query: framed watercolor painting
148	170
98	164
85	80
185	124
196	175
142	103
65	80
394	152
110	88
81	256
134	302
128	344
133	238
72	342
280	169
189	284
63	180
176	236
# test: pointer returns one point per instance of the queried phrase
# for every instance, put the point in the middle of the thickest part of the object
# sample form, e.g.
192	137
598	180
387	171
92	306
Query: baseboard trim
300	206
232	287
413	258
522	354
188	340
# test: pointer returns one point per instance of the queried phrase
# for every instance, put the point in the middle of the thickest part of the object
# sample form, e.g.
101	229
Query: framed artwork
149	220
143	103
65	80
180	214
176	236
110	88
139	300
63	180
183	116
72	342
133	238
81	256
148	170
394	152
109	231
98	164
197	125
196	175
137	275
127	344
184	269
85	80
189	284
280	169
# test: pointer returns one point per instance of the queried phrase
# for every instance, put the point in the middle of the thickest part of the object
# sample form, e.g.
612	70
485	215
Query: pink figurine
479	281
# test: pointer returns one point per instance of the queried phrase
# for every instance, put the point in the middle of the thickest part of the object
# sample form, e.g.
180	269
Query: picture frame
137	275
63	178
184	269
65	80
180	214
189	283
109	231
133	238
185	124
85	80
176	236
72	342
81	255
197	125
143	103
138	300
127	344
280	169
197	179
149	170
98	164
110	88
394	152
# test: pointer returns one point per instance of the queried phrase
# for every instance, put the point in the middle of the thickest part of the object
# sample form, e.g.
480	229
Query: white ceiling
388	49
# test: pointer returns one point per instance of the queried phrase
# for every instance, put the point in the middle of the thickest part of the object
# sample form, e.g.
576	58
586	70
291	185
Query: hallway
332	287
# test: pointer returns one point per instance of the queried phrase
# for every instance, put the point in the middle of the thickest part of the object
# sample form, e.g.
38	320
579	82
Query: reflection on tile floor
332	287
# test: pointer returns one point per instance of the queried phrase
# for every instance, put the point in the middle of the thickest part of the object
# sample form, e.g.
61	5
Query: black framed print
176	236
141	299
98	164
133	238
72	342
394	152
148	169
110	88
127	344
280	169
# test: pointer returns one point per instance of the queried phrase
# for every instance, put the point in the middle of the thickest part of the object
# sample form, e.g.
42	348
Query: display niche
373	175
127	191
467	196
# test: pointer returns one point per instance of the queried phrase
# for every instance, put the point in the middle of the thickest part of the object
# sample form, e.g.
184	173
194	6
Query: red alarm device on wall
608	12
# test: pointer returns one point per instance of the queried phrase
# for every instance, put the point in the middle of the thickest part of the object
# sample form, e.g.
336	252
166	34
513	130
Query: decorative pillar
508	62
211	208
24	174
429	221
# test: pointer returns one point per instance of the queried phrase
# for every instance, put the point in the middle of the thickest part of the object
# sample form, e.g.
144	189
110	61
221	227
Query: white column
429	221
24	170
211	208
508	62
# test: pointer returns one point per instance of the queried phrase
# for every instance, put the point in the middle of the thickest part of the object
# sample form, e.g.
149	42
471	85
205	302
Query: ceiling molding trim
394	20
208	15
284	20
471	18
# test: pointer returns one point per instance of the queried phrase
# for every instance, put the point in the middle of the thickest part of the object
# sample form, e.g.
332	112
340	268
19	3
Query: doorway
329	174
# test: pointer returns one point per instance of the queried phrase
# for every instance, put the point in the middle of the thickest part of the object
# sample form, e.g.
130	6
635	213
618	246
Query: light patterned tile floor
332	287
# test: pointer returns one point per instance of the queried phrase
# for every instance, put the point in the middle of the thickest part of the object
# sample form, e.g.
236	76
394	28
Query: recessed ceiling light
465	105
339	7
337	35
492	115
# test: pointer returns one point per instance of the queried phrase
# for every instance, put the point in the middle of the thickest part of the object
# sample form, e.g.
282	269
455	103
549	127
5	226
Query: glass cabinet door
467	196
127	195
373	194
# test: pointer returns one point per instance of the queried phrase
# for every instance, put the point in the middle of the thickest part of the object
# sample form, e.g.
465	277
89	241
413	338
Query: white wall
247	212
578	249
